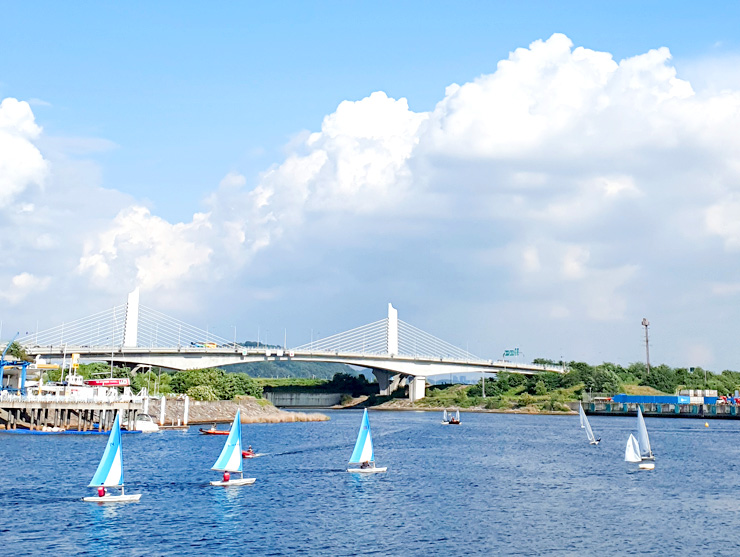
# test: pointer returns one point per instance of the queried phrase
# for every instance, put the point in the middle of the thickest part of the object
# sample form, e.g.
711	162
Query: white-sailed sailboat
363	453
230	459
642	437
632	451
584	423
632	454
445	418
110	470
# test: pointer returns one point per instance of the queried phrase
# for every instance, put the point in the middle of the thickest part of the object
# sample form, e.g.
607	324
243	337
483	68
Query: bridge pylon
392	331
131	325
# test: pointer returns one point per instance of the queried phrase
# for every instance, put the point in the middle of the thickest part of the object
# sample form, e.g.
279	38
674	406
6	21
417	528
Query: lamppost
646	324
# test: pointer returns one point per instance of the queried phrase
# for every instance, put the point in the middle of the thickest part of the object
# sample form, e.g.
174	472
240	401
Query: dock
53	413
670	410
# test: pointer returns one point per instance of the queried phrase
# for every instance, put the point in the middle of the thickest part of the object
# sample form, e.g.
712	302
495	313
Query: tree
202	392
539	388
18	352
225	386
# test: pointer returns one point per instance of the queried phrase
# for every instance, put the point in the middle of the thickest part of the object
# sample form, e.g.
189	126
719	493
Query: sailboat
632	454
449	419
642	437
363	453
632	451
584	423
110	471
230	459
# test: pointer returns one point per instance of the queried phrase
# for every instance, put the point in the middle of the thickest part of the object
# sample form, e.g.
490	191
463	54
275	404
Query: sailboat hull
367	470
113	498
646	466
237	481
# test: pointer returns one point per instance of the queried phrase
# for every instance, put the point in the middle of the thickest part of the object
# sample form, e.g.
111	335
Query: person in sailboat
365	464
227	476
101	491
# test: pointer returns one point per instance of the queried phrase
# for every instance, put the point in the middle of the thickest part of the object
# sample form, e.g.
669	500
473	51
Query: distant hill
307	370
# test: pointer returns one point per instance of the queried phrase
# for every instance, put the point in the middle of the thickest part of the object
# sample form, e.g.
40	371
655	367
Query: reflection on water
499	484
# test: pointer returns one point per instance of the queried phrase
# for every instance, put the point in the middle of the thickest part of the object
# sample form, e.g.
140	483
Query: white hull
367	470
594	443
113	498
238	481
646	466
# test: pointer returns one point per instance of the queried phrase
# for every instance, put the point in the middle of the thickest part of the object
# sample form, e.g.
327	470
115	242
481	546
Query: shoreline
253	411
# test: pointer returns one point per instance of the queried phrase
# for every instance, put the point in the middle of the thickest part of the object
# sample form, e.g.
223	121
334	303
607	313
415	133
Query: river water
498	484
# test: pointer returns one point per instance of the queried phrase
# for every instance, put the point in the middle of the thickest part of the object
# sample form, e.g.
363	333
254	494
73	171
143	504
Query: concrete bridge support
417	388
387	381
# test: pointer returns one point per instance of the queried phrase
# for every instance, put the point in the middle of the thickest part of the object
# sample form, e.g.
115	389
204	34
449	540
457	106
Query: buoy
706	424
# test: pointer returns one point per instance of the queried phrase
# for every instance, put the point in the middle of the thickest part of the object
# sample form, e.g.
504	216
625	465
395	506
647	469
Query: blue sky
152	113
186	90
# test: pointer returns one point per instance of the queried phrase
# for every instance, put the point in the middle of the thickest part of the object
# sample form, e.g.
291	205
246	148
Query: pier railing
6	396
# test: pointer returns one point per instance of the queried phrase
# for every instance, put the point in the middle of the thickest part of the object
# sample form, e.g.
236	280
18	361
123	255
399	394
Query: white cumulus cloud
21	163
563	181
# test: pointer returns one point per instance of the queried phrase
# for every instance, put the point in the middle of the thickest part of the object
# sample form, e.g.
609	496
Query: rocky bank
253	411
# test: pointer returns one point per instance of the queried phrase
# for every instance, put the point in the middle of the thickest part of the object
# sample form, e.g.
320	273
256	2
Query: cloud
565	187
23	285
156	252
21	163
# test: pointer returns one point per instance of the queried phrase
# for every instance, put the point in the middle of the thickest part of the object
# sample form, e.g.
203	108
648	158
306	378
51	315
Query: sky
506	174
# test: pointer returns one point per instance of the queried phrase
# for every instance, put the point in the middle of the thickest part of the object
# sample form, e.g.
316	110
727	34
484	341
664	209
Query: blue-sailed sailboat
363	453
230	459
110	470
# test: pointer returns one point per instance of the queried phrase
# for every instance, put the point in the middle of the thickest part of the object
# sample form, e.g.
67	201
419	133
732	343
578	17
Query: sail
457	415
632	451
230	459
364	446
642	435
110	469
582	415
444	416
584	423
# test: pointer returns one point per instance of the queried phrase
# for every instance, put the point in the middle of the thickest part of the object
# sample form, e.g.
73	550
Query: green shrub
202	392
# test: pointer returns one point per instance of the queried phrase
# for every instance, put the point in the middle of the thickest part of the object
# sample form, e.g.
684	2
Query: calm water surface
498	484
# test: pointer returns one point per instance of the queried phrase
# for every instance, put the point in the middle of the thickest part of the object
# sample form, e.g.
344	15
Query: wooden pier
54	414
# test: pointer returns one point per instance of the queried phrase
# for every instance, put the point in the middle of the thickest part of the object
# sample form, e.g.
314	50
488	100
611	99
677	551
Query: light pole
646	324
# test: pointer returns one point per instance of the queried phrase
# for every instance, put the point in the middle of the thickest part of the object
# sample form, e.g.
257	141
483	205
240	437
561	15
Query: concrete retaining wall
303	400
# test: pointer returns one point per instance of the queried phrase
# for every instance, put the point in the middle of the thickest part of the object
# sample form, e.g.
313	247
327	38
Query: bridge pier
388	382
417	387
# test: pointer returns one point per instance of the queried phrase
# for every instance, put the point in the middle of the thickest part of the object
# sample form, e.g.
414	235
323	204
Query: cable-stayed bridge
137	336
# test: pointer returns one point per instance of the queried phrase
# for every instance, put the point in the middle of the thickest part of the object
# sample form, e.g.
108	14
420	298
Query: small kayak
213	431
